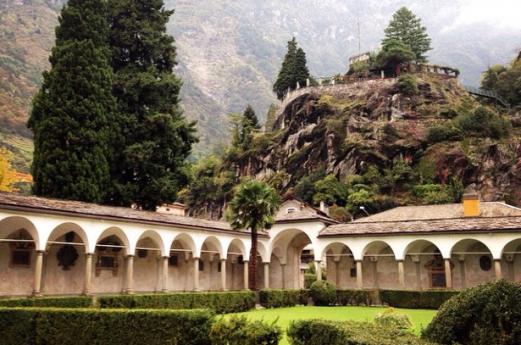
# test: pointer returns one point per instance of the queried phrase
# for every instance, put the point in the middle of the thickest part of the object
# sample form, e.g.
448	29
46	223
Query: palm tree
253	207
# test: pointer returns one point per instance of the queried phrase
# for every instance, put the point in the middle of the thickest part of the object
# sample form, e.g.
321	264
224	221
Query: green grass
283	316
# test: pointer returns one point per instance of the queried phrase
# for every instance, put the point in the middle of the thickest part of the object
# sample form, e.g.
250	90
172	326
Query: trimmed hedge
430	299
31	326
220	302
357	297
322	332
323	293
58	302
277	298
237	330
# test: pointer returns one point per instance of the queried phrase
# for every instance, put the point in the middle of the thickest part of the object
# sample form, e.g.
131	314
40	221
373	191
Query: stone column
164	272
37	290
337	272
359	280
129	280
497	269
401	274
246	274
88	274
461	260
196	274
266	275
223	274
282	270
318	269
448	274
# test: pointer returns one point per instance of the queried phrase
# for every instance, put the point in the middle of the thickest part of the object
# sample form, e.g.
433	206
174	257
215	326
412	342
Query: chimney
324	208
471	204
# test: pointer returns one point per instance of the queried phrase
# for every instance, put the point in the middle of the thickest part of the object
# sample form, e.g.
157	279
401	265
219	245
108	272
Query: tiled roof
304	215
76	208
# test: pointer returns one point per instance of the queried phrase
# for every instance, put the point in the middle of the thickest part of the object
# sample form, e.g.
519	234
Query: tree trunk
253	260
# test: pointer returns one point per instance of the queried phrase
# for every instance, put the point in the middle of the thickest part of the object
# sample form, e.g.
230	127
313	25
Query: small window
107	262
352	272
172	260
219	266
21	257
201	265
485	263
291	210
240	260
142	253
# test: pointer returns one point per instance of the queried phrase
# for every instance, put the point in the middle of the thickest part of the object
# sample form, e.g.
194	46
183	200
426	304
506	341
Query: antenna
359	37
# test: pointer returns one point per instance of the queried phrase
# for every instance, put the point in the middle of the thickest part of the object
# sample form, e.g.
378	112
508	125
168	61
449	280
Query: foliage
237	330
277	298
488	314
407	28
94	326
408	84
7	173
322	332
323	293
390	318
57	302
440	133
151	138
433	194
73	110
356	297
253	207
340	213
415	299
294	70
483	122
305	188
330	190
394	53
506	80
244	126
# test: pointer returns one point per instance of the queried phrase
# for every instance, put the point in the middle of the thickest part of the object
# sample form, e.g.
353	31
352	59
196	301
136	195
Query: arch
213	244
376	248
65	228
186	241
261	251
119	234
512	248
419	247
337	248
154	237
12	224
470	246
284	238
239	244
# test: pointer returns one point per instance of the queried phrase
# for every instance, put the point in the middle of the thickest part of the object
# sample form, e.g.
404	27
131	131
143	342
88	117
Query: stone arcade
54	247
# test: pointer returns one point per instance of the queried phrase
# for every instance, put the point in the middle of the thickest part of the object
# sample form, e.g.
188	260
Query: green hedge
58	302
357	297
430	299
237	330
277	298
220	302
322	332
30	326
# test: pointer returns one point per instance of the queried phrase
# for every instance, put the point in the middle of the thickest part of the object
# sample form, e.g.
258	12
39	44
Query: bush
277	298
486	315
442	133
483	122
220	302
415	299
356	297
323	293
95	326
58	302
309	278
237	330
389	318
407	84
322	332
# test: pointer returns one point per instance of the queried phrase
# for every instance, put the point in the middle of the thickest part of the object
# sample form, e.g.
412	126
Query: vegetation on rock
294	70
506	80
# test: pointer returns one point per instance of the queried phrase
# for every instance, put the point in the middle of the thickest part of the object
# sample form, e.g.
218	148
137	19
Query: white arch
15	223
508	247
156	238
418	246
120	234
239	244
186	241
379	246
214	242
261	250
468	241
337	247
283	239
64	228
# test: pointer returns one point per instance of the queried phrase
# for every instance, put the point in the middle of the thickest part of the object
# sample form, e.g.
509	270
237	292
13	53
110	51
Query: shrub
323	293
356	297
58	302
220	302
390	318
309	278
407	84
486	315
237	330
433	194
95	326
276	298
322	332
484	122
441	133
415	299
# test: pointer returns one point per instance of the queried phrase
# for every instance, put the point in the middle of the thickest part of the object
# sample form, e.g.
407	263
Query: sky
500	13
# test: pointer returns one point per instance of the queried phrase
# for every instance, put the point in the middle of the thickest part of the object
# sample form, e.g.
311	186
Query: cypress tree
72	110
249	125
152	138
407	28
293	70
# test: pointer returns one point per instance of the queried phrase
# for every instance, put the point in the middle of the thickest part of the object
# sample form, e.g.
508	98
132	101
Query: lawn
420	318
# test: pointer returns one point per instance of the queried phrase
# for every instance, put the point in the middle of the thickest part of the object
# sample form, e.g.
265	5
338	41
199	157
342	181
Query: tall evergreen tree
152	138
294	70
73	108
406	27
249	125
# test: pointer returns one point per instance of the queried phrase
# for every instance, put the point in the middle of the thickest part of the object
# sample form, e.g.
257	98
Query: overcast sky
502	13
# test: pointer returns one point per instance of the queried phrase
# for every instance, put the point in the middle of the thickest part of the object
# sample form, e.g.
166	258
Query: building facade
55	247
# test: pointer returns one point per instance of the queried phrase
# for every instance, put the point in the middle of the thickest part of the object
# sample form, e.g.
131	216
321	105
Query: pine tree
406	27
293	70
73	108
249	125
152	138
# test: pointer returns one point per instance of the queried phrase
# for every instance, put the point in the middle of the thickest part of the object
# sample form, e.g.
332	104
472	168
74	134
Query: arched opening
340	265
235	265
472	264
18	243
64	264
379	266
210	264
424	266
181	264
511	261
293	254
147	263
109	261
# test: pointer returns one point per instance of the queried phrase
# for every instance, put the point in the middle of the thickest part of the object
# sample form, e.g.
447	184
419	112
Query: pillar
497	269
418	275
223	274
129	280
282	271
266	275
359	280
448	274
164	272
337	272
37	290
88	274
461	260
196	274
401	274
246	273
318	269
